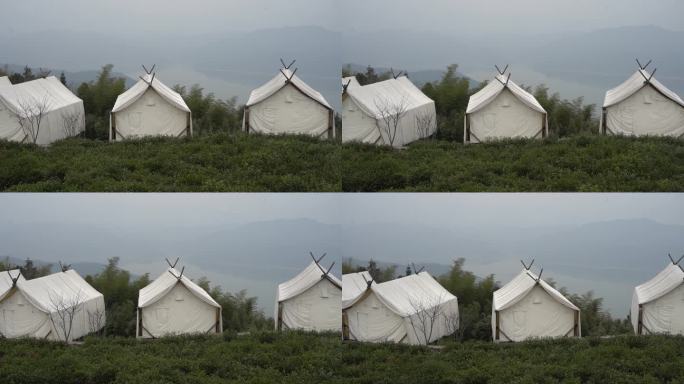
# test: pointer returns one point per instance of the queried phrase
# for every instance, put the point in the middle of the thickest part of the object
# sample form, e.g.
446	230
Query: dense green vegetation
267	357
218	162
578	163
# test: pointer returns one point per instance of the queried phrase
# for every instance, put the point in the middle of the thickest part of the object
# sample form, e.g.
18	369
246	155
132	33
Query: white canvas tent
642	106
502	109
657	305
43	110
370	112
354	287
310	301
288	105
149	108
528	307
43	307
174	305
414	309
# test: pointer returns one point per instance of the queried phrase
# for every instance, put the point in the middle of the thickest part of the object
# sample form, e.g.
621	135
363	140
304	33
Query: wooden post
218	320
496	336
640	324
247	119
187	126
113	118
345	326
576	328
603	117
140	322
467	130
331	118
280	317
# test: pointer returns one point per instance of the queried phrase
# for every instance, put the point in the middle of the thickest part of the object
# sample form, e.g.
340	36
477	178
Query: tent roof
411	294
61	287
633	85
165	283
4	81
6	281
520	286
397	91
353	287
138	89
351	80
487	94
668	279
306	279
275	84
50	89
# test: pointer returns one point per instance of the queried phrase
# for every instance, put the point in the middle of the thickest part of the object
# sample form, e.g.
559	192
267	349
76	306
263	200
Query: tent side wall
52	127
370	320
408	130
422	330
316	309
504	117
358	125
178	312
646	112
10	129
536	315
289	111
150	115
665	314
20	318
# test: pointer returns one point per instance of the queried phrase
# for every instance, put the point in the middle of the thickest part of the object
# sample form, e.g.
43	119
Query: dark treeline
475	301
452	92
120	291
209	113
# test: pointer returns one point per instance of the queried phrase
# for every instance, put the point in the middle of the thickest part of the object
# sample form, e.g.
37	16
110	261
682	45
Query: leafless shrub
31	114
65	311
96	320
425	123
71	123
390	116
426	314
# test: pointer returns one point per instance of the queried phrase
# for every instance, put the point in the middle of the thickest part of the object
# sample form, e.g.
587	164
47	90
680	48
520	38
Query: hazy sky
179	17
510	16
509	209
130	16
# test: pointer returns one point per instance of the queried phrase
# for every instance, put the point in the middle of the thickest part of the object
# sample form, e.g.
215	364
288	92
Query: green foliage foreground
308	358
219	162
578	163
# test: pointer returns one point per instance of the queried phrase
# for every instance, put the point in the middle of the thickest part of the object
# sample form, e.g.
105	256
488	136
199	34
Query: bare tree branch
390	116
65	310
425	122
31	114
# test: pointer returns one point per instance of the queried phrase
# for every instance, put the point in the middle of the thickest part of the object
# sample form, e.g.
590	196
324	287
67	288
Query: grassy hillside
580	163
309	358
210	163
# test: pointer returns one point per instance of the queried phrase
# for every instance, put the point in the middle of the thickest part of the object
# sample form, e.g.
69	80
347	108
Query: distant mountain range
74	78
233	63
419	78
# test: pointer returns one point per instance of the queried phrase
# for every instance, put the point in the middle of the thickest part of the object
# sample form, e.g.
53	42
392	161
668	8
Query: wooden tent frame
217	322
112	115
324	276
498	331
468	134
345	315
640	323
288	81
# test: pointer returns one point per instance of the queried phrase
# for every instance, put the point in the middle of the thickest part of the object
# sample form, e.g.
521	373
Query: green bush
212	162
581	163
